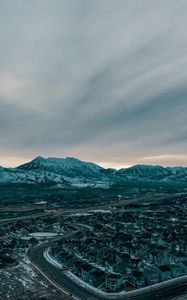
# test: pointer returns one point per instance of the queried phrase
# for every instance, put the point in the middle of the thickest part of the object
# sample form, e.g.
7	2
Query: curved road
66	285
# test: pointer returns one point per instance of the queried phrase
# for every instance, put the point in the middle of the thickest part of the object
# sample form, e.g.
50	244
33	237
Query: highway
25	218
66	212
62	282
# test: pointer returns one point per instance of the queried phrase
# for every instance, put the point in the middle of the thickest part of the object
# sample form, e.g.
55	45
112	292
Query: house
165	272
67	259
77	266
91	256
136	263
177	270
86	271
113	282
180	256
97	277
123	258
151	275
61	254
71	262
184	266
119	267
137	279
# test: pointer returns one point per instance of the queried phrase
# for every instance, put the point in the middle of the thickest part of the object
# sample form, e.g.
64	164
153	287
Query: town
127	248
116	249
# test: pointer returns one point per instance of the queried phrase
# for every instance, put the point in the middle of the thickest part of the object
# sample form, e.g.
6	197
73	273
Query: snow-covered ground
184	297
39	235
20	282
51	260
102	211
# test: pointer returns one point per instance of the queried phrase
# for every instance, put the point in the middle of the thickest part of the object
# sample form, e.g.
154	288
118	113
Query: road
25	218
66	212
63	283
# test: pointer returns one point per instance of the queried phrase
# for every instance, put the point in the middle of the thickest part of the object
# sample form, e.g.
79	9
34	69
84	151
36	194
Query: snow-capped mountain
61	165
13	176
69	169
157	173
72	171
55	171
146	171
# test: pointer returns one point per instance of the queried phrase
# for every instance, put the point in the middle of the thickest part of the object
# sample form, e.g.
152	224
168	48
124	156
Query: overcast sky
100	80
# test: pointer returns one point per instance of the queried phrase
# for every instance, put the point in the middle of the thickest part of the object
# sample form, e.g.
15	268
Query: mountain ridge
72	171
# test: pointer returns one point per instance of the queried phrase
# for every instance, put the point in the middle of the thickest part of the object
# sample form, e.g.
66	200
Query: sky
101	80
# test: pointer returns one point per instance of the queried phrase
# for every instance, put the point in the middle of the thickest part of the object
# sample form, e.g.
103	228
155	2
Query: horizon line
14	162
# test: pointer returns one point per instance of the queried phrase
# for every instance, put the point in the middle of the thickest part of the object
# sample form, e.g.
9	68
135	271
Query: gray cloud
101	80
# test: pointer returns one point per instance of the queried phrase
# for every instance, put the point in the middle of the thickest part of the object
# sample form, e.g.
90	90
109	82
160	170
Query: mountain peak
39	158
141	170
61	165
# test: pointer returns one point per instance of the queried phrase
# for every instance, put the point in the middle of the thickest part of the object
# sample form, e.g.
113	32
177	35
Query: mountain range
71	171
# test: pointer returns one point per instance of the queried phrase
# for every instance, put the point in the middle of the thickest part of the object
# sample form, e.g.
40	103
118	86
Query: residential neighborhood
127	248
116	249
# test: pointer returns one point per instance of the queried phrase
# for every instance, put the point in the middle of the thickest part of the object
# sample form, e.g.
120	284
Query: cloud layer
101	80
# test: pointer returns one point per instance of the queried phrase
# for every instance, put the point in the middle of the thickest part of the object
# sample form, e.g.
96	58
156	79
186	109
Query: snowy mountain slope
146	171
157	173
13	176
55	171
61	165
71	171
